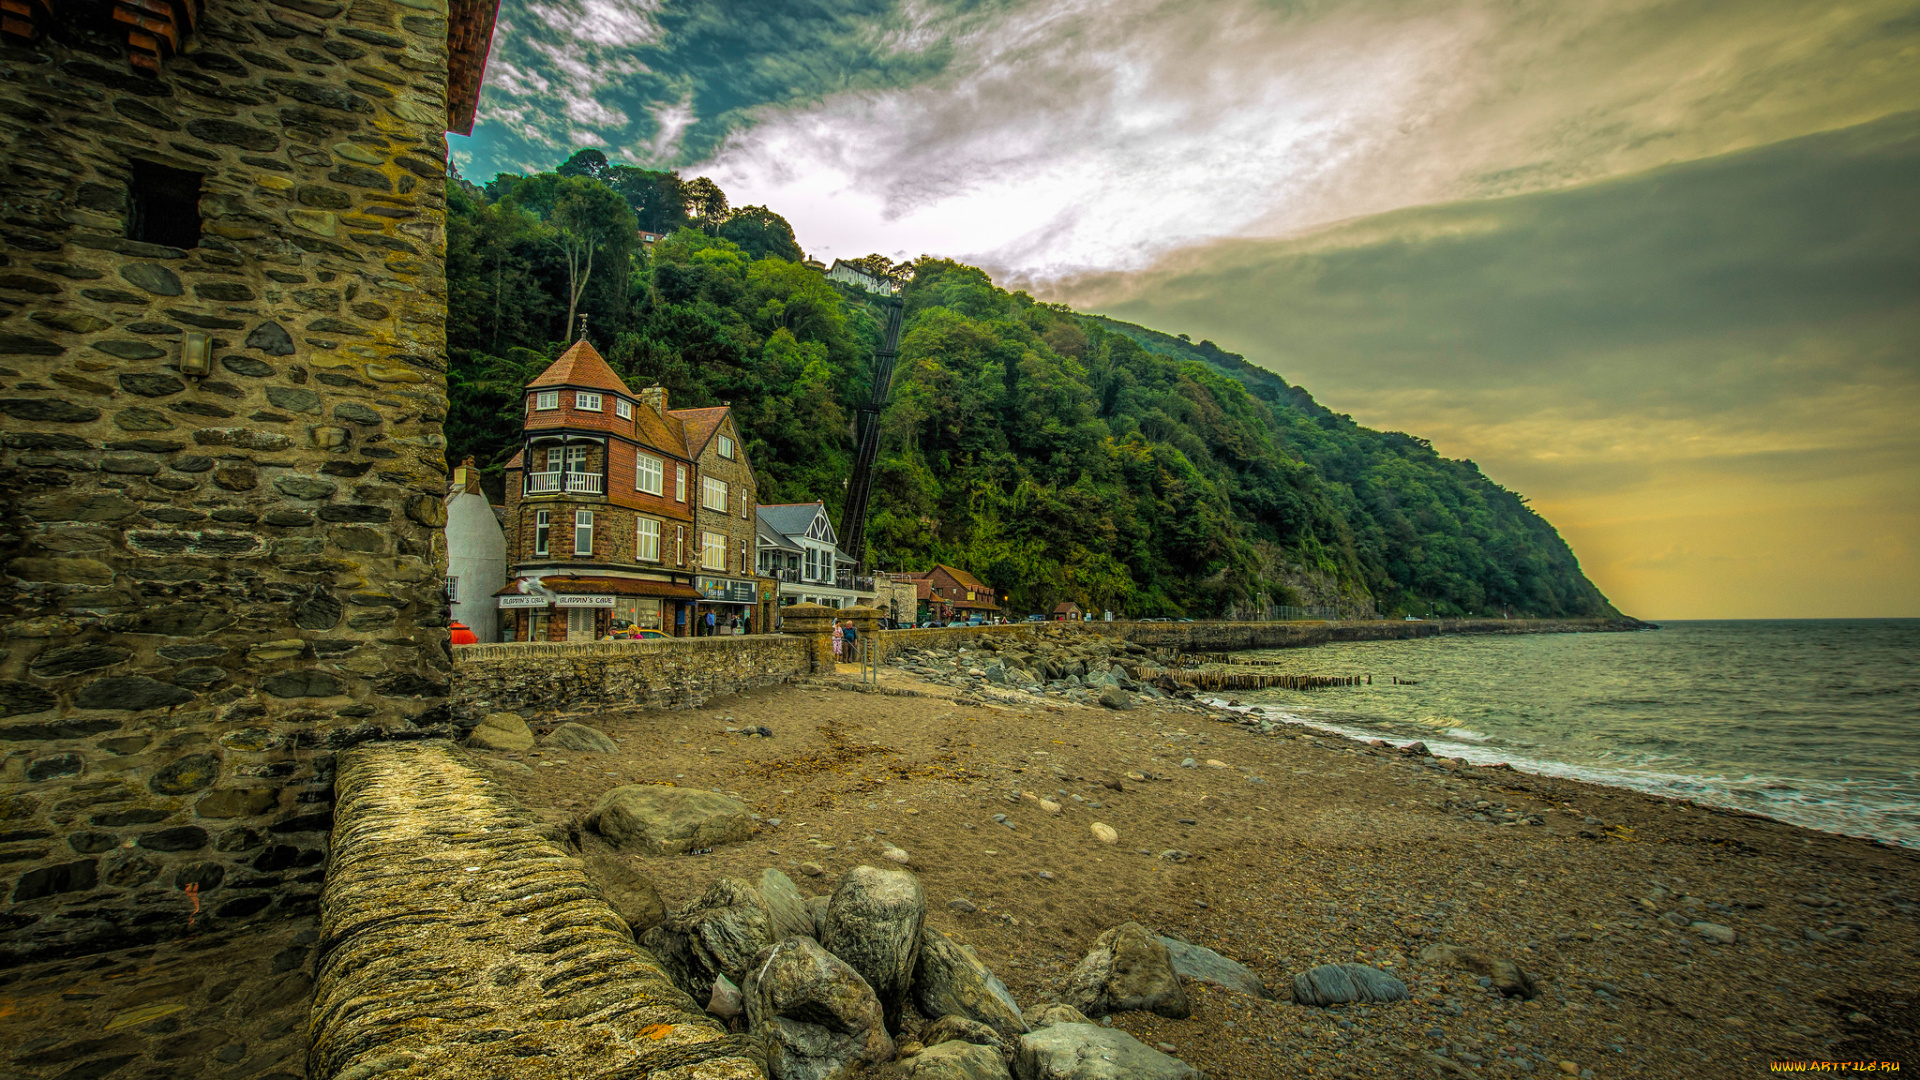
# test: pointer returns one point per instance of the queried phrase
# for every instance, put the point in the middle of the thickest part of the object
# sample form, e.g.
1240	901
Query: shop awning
574	586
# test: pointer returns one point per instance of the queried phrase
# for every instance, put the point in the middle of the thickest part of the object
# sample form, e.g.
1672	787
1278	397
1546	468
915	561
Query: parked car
1036	618
462	634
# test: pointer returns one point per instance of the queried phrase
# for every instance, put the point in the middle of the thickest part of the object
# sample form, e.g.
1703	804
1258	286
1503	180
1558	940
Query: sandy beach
1293	849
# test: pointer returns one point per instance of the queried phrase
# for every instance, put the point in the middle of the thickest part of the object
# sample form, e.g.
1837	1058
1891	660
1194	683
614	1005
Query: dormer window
623	408
726	447
586	402
547	399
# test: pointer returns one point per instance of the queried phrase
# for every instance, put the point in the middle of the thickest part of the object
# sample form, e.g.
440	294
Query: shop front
732	601
591	609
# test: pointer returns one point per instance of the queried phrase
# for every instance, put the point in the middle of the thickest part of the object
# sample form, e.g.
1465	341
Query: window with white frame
547	399
813	564
577	458
713	493
623	408
713	551
453	589
646	546
586	402
541	528
649	474
726	447
583	532
680	544
680	483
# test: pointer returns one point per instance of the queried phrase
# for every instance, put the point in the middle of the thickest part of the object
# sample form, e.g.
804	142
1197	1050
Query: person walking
839	643
710	621
733	624
852	637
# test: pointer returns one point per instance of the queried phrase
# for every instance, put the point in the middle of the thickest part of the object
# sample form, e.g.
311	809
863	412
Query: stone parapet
680	673
458	942
812	624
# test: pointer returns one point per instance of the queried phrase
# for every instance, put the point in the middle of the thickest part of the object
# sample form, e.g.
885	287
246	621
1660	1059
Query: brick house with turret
723	516
600	509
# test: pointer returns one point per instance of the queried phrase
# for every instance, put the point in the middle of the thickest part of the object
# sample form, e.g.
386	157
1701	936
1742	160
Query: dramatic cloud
1705	375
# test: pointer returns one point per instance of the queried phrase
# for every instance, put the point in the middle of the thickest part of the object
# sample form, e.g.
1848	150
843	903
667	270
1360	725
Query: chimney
655	398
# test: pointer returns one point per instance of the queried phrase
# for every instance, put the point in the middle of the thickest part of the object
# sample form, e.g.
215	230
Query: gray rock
629	892
784	902
725	1001
1338	984
1714	932
1091	1052
726	928
669	821
1054	1013
1115	698
957	1061
950	981
817	1016
1506	976
1196	962
817	911
1128	968
950	1028
502	732
873	922
580	737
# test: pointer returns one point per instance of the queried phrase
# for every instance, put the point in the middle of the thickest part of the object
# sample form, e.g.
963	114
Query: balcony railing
784	573
574	483
848	580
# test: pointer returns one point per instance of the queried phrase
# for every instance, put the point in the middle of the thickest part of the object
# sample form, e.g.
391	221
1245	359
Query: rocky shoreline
1531	921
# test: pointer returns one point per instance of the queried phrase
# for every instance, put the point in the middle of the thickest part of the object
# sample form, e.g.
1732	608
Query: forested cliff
1055	454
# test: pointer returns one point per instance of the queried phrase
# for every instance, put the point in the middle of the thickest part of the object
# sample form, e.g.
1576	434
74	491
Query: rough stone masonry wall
211	584
457	942
677	674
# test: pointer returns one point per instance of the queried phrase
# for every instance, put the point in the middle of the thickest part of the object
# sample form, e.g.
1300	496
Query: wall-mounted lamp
196	356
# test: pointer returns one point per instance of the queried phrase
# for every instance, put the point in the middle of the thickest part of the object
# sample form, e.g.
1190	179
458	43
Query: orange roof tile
580	365
700	425
517	461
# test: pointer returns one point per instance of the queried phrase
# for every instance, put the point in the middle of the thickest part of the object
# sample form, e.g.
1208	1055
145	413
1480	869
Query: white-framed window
542	526
453	589
649	474
680	544
743	556
577	458
726	447
583	532
623	408
680	483
713	493
586	402
646	544
813	565
547	399
713	551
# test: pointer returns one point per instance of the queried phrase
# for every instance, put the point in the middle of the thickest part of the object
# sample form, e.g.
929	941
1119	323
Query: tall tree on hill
591	163
587	217
761	233
706	203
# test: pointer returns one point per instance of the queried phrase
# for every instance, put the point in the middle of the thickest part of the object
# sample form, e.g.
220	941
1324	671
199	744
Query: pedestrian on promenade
839	642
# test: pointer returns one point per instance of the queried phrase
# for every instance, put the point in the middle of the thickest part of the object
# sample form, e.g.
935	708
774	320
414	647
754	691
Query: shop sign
727	590
583	601
523	601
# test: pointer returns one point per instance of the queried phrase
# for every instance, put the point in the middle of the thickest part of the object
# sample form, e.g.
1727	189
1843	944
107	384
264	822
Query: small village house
476	554
799	549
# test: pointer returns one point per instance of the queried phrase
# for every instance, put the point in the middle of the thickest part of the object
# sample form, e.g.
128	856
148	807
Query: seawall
680	673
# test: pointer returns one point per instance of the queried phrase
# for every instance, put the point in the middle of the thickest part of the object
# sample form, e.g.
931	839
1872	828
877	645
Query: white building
798	548
476	554
861	278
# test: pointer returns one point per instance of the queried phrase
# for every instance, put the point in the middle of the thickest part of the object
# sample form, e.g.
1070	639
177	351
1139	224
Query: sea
1813	722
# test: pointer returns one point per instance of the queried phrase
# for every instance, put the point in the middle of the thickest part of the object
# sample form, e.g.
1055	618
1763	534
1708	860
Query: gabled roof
581	366
962	578
790	519
517	461
700	425
1065	607
768	536
664	433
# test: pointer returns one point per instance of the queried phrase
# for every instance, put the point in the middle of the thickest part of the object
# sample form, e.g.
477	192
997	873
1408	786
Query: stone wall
680	673
457	942
214	581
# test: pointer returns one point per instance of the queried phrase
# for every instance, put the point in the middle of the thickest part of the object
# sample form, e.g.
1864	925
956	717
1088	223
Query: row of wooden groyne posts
1187	669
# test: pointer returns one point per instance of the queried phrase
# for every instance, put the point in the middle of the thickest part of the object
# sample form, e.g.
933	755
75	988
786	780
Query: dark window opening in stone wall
164	205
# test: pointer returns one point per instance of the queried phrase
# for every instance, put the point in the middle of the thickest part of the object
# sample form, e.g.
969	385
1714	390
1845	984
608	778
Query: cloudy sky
1655	265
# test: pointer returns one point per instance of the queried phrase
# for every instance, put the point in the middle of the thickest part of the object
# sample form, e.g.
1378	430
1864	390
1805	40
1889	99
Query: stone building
600	520
222	377
724	516
476	554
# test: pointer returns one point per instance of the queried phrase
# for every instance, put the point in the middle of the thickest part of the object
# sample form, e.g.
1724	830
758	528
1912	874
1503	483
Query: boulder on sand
1196	962
950	981
956	1061
669	821
1340	984
580	737
718	934
630	893
873	922
502	733
1506	975
1092	1052
952	1028
818	1017
788	907
1128	968
1054	1012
